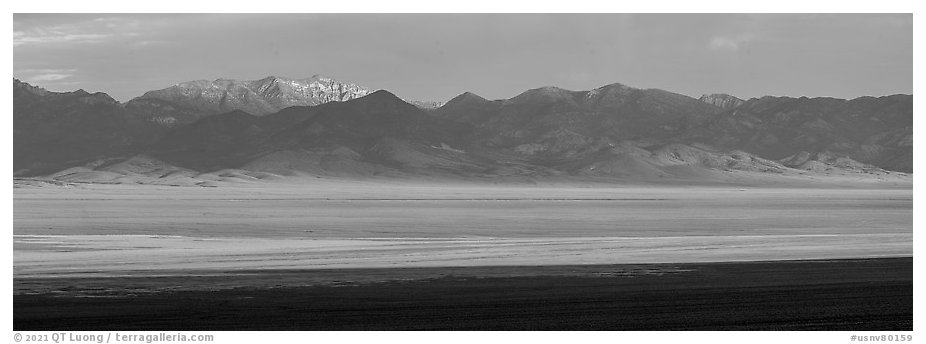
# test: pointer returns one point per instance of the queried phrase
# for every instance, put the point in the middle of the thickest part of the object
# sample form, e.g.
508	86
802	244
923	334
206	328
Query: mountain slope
53	131
378	129
612	133
257	97
549	124
468	108
723	101
870	130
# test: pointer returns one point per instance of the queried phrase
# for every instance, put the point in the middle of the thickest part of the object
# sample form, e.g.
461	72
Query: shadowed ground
873	294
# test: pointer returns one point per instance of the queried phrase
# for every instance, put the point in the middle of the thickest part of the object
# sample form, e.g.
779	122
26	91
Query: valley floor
86	246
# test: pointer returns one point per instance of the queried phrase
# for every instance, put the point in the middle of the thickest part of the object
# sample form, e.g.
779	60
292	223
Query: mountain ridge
258	97
722	100
615	132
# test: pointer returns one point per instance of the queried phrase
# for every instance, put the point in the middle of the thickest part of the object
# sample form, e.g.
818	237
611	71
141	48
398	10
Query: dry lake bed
86	254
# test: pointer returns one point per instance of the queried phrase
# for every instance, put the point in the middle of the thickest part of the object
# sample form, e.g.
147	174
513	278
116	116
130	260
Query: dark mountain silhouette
614	132
615	111
212	143
378	129
546	126
164	112
877	131
468	108
53	131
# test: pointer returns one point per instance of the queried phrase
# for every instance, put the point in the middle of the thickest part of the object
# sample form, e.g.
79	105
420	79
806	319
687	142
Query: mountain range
257	97
205	132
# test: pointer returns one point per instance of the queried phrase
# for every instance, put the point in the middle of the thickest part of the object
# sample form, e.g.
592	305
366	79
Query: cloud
50	77
729	43
151	43
21	38
34	75
46	71
96	30
724	43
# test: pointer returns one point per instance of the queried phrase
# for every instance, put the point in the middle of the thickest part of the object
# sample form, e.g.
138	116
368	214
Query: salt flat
120	229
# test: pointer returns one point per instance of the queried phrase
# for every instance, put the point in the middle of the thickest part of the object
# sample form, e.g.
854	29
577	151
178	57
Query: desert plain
127	245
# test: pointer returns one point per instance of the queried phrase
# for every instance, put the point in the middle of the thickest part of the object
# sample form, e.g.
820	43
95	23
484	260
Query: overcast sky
436	57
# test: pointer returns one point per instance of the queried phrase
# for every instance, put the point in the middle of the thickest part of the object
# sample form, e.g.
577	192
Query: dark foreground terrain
869	294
